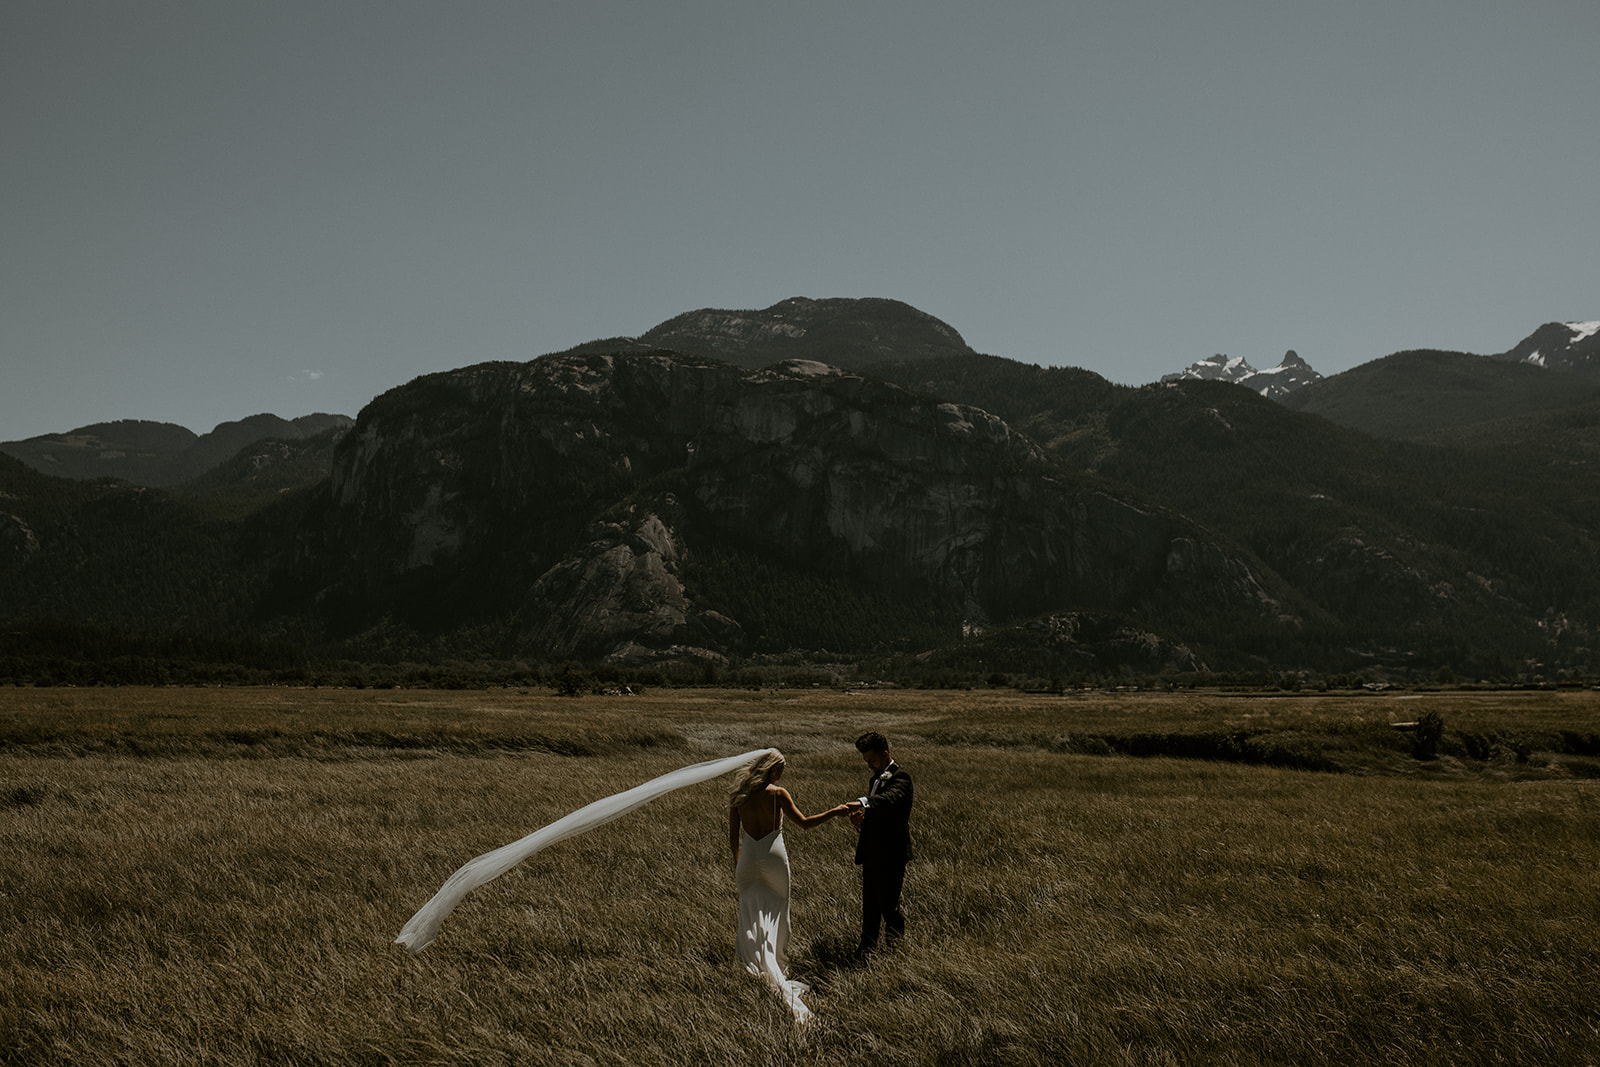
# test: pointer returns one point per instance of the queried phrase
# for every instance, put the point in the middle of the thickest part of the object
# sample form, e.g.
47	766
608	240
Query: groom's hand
857	816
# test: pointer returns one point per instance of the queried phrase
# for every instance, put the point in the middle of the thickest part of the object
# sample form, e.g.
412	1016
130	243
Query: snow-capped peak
1566	346
1286	377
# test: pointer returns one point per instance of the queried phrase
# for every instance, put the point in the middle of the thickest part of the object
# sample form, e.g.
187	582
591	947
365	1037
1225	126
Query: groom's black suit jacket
886	831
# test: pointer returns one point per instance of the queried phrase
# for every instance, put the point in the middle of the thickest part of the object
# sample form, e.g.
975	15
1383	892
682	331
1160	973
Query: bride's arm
806	822
733	833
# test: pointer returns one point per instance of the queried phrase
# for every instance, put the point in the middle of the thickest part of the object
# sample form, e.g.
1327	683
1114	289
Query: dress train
762	875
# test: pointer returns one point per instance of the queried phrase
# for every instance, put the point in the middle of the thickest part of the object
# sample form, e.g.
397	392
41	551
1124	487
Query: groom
884	846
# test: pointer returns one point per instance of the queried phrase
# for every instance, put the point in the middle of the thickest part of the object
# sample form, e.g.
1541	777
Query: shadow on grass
827	957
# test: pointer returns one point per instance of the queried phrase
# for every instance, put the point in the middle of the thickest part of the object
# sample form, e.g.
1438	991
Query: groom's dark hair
872	741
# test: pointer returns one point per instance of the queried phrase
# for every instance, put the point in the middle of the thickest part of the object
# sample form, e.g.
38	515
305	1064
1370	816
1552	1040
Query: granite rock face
620	586
18	543
571	490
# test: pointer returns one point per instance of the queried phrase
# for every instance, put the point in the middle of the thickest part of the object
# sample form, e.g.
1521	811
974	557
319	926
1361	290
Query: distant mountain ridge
1572	346
1415	394
1290	374
1418	393
159	454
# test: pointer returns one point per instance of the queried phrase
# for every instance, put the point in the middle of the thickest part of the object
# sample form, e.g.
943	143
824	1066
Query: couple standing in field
761	862
881	816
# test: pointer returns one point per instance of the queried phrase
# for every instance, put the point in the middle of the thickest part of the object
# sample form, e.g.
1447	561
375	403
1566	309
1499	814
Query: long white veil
424	925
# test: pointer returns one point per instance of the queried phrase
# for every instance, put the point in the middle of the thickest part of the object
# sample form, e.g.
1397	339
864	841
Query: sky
214	209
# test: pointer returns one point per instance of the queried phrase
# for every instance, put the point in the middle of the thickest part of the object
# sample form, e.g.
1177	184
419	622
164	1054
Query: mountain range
1572	347
1291	374
849	476
160	454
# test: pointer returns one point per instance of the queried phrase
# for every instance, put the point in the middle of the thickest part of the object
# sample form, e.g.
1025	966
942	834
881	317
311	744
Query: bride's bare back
762	813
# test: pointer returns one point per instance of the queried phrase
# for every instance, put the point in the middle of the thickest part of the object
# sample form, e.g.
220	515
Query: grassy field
215	876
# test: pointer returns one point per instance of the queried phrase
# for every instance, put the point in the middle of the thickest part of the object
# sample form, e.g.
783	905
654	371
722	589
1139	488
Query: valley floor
216	876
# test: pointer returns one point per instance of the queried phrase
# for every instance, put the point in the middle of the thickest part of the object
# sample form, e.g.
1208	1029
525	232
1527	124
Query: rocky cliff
573	492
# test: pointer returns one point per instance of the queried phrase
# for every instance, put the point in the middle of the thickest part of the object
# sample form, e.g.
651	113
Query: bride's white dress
762	875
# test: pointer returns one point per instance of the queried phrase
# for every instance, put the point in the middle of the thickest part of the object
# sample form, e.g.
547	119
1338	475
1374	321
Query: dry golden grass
216	876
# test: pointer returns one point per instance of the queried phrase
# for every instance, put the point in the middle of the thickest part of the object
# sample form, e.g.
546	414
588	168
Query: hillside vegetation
1470	550
1414	394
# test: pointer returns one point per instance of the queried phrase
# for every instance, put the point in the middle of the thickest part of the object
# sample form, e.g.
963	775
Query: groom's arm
895	794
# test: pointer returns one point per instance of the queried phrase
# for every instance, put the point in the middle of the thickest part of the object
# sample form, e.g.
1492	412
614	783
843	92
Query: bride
761	871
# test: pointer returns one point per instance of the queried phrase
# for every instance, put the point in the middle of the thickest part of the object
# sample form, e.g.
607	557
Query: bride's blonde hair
757	776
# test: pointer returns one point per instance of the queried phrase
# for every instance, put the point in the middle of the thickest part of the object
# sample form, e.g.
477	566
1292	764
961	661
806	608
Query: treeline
46	654
67	654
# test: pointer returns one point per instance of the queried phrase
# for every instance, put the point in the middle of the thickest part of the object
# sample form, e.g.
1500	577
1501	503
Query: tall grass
230	896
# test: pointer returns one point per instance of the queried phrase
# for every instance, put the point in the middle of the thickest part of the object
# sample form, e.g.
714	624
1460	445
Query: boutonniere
885	776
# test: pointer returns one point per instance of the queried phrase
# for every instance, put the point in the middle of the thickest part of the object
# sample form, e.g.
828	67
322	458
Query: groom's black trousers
880	902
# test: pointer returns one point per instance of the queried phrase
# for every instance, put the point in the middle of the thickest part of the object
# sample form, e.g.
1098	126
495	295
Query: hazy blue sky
219	208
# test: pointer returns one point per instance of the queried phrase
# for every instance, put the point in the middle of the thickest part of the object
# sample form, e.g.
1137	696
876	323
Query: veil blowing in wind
423	927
